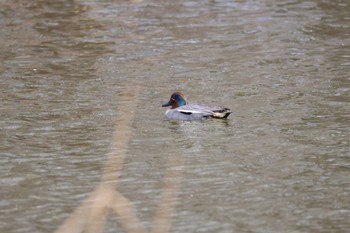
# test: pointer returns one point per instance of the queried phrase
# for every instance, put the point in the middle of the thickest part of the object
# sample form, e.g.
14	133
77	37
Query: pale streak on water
280	163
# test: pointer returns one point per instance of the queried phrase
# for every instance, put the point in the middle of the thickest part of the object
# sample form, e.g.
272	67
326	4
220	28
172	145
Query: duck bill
166	104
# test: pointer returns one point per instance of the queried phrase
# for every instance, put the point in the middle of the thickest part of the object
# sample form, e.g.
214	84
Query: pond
85	146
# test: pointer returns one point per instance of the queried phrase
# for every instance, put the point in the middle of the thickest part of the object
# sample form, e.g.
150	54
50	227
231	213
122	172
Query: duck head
176	100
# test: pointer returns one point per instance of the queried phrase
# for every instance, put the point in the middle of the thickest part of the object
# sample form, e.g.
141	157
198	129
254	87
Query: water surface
71	71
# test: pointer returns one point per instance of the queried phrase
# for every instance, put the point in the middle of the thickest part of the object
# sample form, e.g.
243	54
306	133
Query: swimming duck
181	110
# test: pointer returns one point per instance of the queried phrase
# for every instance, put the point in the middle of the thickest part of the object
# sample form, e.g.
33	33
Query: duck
184	111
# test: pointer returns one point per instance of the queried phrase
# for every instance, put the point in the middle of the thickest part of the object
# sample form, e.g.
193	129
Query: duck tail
222	113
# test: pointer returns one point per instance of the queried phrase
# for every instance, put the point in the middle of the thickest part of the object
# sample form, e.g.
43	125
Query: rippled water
71	72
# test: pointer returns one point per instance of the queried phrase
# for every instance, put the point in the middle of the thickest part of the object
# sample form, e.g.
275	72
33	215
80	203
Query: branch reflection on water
92	214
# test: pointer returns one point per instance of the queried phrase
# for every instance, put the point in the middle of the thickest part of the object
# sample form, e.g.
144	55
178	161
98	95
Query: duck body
183	111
